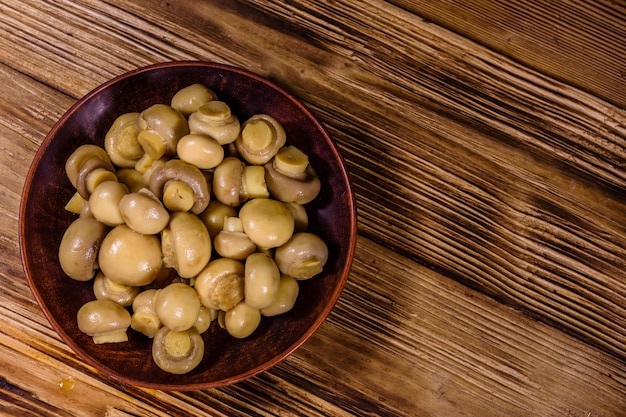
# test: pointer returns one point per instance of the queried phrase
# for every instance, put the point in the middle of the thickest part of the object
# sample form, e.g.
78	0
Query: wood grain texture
486	142
547	37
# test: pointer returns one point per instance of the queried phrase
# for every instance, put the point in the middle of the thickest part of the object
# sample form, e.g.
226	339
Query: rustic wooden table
487	146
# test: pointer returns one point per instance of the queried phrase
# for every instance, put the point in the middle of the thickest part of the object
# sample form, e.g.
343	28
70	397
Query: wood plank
499	187
569	40
510	181
439	348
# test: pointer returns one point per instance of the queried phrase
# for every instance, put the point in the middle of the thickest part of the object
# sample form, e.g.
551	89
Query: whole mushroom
82	154
92	173
303	256
242	320
291	178
130	258
261	280
104	202
176	172
215	120
260	139
177	306
144	318
232	242
186	244
220	284
160	128
79	248
104	320
177	352
267	222
200	150
104	288
227	181
143	212
235	182
121	142
189	99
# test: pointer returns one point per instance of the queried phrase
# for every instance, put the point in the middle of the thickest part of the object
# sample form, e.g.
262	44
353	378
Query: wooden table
487	146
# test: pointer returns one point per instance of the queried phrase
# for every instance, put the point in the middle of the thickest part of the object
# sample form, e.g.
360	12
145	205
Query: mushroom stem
152	144
98	176
257	135
253	183
177	170
291	161
177	344
178	196
177	352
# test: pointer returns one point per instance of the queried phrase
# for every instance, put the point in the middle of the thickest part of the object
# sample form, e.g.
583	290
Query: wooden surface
487	146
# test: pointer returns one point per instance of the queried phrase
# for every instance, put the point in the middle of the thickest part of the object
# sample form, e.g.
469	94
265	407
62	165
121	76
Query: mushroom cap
301	189
102	317
79	248
104	202
200	150
303	256
260	139
186	244
177	352
84	183
166	123
177	306
235	245
267	222
104	288
227	181
189	99
242	320
130	258
80	155
143	212
121	142
144	318
262	280
220	284
215	120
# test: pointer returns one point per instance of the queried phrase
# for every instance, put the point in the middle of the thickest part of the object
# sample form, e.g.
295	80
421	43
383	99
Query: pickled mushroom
104	320
189	99
121	142
182	172
79	248
303	256
220	284
177	352
291	178
177	306
160	128
104	288
267	222
215	120
144	318
130	258
186	244
260	139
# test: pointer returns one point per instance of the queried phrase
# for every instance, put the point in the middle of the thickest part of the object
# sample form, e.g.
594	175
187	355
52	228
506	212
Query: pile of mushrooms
186	217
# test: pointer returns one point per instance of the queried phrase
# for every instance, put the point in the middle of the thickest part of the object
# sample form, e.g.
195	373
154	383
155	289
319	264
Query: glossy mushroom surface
43	220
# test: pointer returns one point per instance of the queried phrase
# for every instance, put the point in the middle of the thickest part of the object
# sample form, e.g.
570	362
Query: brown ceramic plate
43	220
